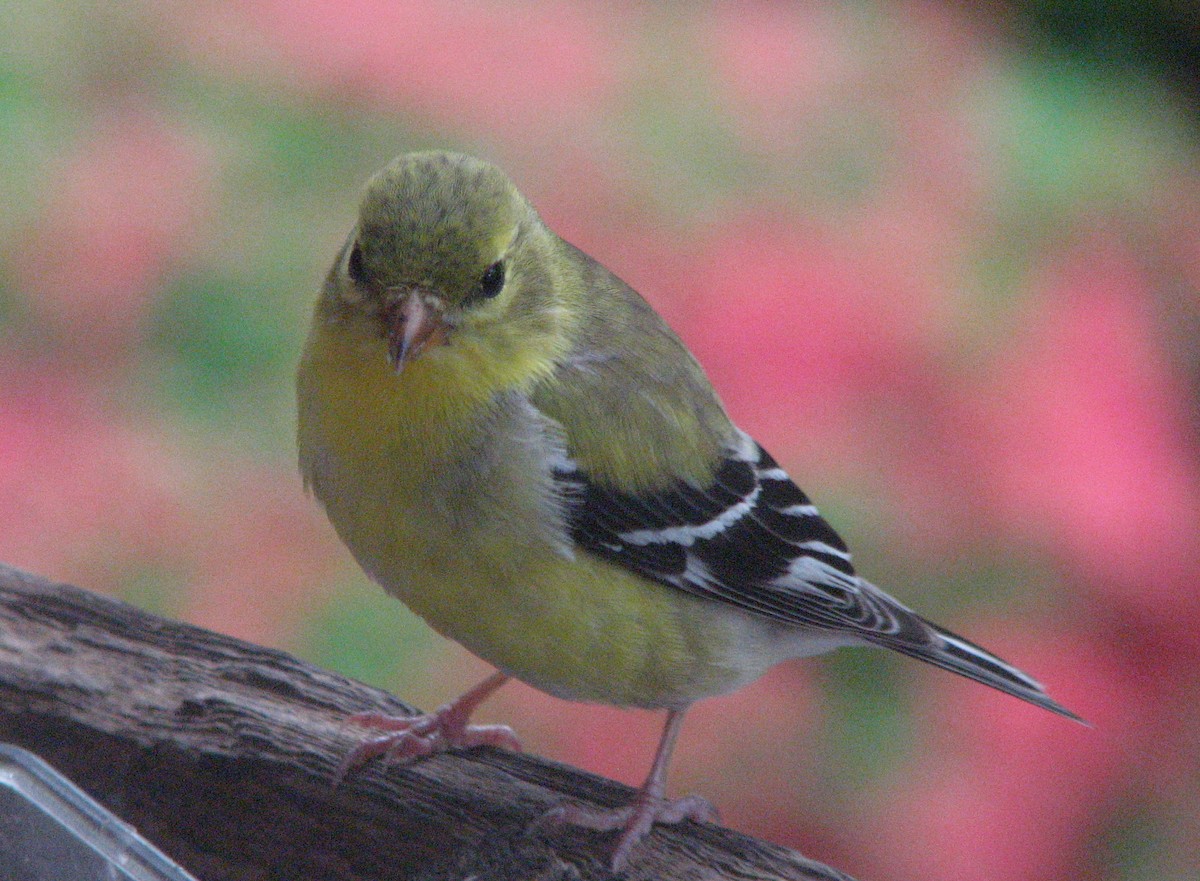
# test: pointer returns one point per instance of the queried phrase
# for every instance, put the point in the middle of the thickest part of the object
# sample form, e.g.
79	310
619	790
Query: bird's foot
635	819
408	738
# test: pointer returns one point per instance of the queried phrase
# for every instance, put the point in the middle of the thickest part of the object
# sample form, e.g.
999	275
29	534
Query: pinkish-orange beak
415	323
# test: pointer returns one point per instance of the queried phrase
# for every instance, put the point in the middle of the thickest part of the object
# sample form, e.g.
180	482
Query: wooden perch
223	754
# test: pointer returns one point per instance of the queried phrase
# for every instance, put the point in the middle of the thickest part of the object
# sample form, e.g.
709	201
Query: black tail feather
958	655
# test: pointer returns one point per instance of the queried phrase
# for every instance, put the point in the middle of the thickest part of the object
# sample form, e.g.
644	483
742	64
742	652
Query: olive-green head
448	255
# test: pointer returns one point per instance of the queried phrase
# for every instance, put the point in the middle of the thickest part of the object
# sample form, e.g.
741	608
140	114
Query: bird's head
450	265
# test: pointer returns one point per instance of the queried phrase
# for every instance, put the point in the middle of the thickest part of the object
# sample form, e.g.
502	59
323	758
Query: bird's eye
354	266
492	281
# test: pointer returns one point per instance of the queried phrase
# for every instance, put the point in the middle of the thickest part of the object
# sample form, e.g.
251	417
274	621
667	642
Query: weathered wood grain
223	754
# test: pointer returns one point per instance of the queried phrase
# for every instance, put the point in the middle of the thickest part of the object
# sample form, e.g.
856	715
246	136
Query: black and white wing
754	540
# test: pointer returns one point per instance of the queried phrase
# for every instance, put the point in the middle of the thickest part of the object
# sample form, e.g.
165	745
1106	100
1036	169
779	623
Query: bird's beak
415	322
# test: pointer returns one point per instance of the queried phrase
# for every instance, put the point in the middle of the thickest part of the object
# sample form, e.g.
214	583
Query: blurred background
945	265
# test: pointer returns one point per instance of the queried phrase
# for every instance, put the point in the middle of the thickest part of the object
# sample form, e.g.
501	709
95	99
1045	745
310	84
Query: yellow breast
396	462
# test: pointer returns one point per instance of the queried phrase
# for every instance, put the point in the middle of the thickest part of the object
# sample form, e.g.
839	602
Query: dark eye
492	281
354	266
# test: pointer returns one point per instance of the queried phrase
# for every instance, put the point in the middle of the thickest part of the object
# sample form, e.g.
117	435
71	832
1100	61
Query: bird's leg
411	737
649	806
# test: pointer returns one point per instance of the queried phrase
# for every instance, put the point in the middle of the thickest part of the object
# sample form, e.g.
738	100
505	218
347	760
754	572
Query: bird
510	440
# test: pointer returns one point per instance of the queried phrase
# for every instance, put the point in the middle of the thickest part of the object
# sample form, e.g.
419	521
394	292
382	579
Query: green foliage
870	727
222	354
364	633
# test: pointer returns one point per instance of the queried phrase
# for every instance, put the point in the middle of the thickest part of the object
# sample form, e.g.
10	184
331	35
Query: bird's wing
750	538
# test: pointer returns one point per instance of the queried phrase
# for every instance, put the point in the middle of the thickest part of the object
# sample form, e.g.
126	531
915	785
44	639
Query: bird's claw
408	738
635	819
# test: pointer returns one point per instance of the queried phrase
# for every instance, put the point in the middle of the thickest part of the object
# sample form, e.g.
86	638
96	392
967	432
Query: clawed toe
594	818
384	722
636	819
408	738
690	807
649	806
402	746
500	736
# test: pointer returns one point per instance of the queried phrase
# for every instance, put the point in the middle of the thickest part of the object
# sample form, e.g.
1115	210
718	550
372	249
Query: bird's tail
958	655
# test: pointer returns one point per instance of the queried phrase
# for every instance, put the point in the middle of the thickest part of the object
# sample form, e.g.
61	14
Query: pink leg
649	806
411	737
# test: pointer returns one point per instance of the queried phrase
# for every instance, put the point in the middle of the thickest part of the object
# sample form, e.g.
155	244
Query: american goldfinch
510	440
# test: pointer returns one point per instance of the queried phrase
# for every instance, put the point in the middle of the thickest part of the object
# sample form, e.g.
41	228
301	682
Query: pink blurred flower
479	66
1084	432
263	556
606	740
83	492
123	207
90	495
800	338
730	749
777	61
601	208
1005	791
752	752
